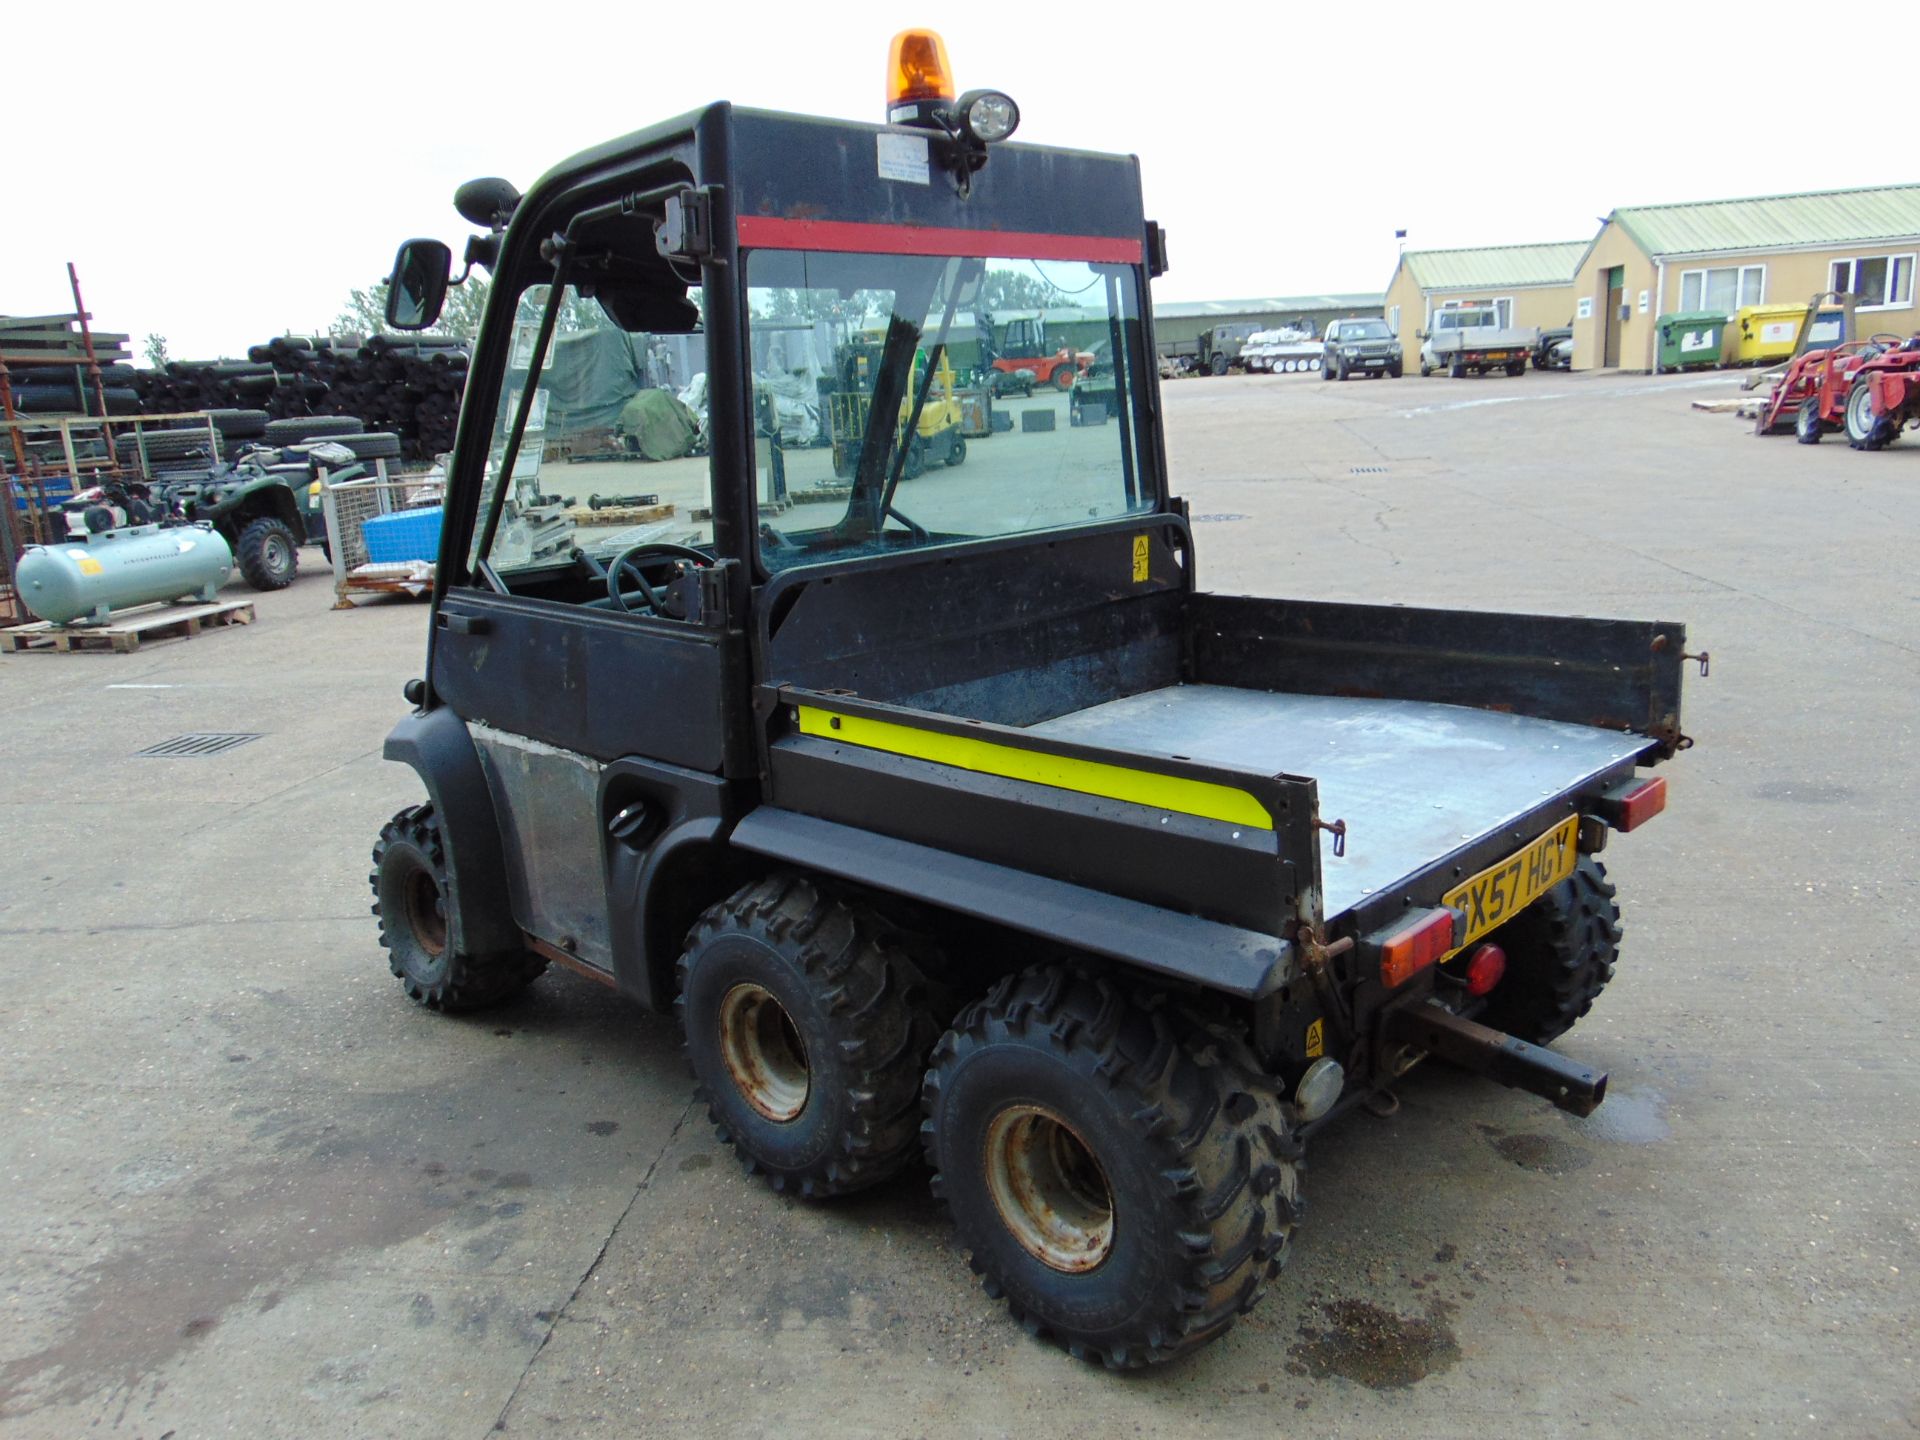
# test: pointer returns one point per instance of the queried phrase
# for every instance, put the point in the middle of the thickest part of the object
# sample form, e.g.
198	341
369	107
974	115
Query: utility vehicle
959	818
1469	337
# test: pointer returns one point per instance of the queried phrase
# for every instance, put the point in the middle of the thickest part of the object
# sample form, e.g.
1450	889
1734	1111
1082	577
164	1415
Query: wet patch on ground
1801	792
325	1192
1630	1117
1545	1153
1359	1341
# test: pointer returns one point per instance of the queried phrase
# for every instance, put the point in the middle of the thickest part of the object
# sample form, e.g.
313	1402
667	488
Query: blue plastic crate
403	535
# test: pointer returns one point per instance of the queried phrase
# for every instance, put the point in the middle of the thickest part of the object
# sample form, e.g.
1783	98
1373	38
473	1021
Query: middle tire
808	1023
1122	1175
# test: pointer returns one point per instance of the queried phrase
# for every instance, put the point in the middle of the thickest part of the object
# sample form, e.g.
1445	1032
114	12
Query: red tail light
1486	969
1630	806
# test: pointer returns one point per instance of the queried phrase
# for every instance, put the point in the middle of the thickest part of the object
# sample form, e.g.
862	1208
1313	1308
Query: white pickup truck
1470	337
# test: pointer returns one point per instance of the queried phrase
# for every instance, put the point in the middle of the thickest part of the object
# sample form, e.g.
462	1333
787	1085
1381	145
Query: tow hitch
1497	1055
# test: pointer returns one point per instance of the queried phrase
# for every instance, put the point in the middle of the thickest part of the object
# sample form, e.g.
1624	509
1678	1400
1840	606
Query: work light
988	115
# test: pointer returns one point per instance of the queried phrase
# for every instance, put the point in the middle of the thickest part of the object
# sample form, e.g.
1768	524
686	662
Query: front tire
1121	1174
267	554
1561	951
412	901
1807	428
807	1023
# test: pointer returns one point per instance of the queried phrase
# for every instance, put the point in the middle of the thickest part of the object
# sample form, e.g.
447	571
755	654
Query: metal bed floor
1413	780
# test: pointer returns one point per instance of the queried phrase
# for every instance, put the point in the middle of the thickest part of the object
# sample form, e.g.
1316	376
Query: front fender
436	744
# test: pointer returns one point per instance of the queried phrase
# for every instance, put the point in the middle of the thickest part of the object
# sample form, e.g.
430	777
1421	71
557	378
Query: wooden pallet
620	515
124	635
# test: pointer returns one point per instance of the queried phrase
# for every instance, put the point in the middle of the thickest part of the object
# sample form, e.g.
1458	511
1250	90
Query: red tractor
1885	397
1868	388
1023	348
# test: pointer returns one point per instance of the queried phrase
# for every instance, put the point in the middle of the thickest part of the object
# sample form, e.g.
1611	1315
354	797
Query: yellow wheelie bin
1764	334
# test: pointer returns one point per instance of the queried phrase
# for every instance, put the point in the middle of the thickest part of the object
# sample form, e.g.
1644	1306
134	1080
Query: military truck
962	821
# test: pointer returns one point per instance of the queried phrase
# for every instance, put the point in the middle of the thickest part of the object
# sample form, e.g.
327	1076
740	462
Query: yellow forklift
937	437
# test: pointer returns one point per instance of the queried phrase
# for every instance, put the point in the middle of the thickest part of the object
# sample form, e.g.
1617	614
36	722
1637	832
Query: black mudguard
436	744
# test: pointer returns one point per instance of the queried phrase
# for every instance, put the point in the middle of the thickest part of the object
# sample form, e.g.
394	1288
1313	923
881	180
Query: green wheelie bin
1689	340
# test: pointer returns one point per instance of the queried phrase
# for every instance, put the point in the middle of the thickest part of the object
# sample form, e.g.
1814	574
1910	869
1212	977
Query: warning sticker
1316	1039
903	157
1140	554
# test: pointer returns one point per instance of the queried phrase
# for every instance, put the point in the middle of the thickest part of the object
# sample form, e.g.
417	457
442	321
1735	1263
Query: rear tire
1063	377
411	900
1517	368
1865	430
268	555
1456	371
1561	952
807	1023
957	451
1120	1172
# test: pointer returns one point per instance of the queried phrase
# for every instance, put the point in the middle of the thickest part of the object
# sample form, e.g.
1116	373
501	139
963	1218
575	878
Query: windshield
899	400
1365	330
614	450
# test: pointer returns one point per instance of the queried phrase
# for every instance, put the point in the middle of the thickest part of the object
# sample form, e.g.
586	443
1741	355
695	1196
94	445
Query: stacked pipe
47	367
409	385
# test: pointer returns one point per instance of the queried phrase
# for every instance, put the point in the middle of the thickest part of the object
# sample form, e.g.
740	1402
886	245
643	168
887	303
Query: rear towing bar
1435	1029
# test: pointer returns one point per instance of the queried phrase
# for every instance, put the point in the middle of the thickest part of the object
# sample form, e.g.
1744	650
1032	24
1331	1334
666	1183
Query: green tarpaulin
660	425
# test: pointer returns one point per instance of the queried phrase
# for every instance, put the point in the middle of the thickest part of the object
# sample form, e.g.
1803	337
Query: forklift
963	825
938	436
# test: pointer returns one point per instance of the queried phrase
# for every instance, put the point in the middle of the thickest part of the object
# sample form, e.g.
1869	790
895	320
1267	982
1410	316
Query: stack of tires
404	385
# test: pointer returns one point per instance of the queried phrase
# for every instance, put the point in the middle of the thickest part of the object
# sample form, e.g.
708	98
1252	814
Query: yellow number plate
1501	892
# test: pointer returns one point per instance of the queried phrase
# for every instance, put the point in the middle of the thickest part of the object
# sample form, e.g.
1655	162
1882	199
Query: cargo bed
1413	780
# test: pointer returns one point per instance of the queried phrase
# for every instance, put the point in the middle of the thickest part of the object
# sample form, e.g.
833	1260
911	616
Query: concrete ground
251	1190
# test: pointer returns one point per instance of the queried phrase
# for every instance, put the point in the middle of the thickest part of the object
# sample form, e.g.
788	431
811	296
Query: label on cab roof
903	157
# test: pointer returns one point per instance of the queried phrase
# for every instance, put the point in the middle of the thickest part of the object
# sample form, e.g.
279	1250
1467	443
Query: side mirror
418	286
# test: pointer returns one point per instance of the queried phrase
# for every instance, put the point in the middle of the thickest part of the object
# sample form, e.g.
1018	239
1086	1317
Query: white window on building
1883	282
1393	318
1725	289
1503	312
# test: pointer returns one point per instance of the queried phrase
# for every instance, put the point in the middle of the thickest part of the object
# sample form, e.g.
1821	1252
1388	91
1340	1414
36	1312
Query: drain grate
194	746
1369	470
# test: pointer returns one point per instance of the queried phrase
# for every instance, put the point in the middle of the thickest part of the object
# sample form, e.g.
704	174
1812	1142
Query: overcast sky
222	174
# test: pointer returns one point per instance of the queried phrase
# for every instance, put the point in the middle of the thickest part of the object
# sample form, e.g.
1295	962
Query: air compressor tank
115	569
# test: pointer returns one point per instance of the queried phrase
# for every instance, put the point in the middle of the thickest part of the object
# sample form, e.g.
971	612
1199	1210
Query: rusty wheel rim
426	912
764	1053
1052	1194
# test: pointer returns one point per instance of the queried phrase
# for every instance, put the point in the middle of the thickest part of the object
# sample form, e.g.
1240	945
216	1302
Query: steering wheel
628	560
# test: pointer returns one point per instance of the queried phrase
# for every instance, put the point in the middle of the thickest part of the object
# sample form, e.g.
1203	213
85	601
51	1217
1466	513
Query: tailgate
1610	674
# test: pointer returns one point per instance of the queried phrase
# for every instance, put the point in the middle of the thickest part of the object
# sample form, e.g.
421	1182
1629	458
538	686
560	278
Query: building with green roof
1530	285
1719	256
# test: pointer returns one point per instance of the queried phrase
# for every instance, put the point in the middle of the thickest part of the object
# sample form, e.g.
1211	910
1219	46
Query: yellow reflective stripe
1088	777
